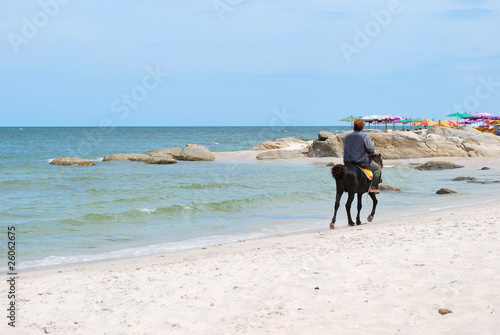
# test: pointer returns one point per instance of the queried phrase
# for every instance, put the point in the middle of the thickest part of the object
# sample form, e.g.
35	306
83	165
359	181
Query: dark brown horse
349	178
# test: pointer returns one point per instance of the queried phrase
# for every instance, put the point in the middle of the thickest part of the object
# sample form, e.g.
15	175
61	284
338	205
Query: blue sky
253	62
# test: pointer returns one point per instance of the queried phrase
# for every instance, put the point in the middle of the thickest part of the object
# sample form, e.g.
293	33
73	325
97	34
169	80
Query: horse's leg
350	198
337	205
375	201
360	205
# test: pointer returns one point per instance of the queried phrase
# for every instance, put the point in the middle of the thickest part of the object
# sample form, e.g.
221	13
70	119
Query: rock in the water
444	311
444	191
72	161
126	157
174	152
330	164
463	178
484	181
485	168
196	152
163	159
390	188
438	165
280	154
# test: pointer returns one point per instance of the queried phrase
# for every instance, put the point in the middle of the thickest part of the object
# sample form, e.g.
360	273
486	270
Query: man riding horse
358	148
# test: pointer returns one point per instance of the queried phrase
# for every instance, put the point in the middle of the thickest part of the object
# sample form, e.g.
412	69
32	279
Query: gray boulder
280	154
126	157
174	152
281	143
484	181
70	161
388	188
482	145
333	146
444	191
324	135
463	178
438	165
196	152
163	159
395	145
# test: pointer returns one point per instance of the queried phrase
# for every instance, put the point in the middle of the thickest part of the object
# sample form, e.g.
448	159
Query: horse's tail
338	171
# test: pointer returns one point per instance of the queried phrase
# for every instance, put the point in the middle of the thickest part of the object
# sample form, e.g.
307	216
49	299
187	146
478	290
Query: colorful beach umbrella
461	115
371	118
447	123
410	121
351	119
426	123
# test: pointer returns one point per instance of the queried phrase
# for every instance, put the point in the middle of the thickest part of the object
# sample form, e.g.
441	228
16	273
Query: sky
245	62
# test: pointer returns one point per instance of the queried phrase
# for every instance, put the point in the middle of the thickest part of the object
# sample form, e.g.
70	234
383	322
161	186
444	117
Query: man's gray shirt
357	146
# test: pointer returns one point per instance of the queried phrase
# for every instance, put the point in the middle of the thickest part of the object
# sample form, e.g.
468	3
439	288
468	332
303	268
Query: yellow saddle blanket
368	173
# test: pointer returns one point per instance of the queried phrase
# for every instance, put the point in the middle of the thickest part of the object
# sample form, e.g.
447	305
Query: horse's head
377	158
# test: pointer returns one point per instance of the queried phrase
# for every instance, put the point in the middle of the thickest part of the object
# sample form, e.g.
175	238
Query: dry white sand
386	277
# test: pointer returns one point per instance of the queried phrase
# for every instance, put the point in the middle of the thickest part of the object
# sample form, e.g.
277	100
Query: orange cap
359	123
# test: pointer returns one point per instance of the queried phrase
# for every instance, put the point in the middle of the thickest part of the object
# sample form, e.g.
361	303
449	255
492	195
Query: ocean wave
147	210
232	205
99	217
208	185
139	251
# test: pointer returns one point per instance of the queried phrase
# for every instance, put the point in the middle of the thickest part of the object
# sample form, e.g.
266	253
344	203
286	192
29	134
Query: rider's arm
370	148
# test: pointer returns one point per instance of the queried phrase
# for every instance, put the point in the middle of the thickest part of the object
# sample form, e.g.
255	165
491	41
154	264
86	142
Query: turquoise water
122	209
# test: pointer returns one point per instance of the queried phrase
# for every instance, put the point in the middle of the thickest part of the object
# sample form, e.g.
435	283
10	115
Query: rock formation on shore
126	157
291	143
175	152
163	159
281	154
196	152
432	142
192	152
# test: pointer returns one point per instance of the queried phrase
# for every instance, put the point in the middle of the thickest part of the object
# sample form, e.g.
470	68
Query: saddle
367	173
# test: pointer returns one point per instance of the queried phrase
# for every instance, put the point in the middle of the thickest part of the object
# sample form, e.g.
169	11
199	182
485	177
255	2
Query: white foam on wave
155	249
147	210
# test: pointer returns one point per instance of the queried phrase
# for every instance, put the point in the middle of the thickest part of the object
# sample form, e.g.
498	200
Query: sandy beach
392	276
388	277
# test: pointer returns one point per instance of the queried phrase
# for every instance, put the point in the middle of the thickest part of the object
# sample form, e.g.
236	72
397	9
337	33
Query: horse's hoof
359	223
370	218
351	224
332	225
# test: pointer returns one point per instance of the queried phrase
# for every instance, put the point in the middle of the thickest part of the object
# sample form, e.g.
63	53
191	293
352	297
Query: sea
70	214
